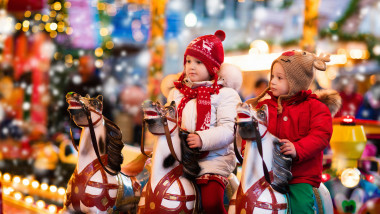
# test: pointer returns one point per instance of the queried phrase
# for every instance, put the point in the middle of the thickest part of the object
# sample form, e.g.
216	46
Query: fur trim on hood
331	99
231	76
167	83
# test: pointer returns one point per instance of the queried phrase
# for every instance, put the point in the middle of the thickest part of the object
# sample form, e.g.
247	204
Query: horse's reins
71	132
164	120
259	147
93	136
237	153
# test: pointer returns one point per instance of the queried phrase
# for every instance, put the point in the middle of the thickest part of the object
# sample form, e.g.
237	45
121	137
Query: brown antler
324	57
320	61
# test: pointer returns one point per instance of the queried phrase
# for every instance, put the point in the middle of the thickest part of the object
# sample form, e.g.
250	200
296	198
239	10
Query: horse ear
265	109
172	103
100	97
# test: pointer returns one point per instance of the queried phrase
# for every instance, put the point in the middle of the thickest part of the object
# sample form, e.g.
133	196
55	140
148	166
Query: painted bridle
163	115
251	120
88	111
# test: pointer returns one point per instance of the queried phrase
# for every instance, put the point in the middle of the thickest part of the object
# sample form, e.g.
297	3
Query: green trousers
301	198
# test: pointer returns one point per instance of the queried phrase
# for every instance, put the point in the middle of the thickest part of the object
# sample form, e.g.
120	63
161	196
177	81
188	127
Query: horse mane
114	145
281	165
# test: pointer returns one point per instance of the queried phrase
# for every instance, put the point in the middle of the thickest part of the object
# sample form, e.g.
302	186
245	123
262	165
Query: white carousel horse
96	185
255	194
167	191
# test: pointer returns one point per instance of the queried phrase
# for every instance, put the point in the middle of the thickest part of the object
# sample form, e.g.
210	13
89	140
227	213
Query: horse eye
261	115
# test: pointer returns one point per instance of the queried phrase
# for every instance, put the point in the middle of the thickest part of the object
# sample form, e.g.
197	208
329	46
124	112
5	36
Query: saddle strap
184	198
153	198
318	200
102	185
264	205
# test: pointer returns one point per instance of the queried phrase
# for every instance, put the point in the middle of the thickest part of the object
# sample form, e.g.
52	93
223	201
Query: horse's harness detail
155	198
164	120
249	201
79	182
258	139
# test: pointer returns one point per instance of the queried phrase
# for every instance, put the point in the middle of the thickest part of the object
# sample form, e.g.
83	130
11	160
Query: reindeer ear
100	97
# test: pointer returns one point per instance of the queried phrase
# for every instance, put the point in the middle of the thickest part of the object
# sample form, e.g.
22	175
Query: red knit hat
209	50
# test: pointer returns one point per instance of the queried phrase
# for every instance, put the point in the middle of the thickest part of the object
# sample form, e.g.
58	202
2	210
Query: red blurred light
325	177
370	178
348	120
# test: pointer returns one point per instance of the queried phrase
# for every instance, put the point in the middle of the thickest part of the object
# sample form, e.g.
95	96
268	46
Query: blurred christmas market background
122	49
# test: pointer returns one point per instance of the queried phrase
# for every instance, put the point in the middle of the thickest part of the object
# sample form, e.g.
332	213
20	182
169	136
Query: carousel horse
265	171
168	190
97	185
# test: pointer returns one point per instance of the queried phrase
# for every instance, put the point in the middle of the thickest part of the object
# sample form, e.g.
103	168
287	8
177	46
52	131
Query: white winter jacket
218	139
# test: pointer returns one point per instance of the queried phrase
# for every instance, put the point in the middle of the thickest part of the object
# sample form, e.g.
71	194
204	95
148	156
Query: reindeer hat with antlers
299	69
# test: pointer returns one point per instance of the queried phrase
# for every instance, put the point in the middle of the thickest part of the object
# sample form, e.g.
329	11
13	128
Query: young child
300	120
207	110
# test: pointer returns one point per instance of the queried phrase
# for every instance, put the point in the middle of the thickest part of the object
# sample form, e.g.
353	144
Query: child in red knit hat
301	120
206	110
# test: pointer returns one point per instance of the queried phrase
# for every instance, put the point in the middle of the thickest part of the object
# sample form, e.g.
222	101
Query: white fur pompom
168	83
231	76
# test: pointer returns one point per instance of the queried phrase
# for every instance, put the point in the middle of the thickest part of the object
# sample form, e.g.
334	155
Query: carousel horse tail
114	145
281	169
190	157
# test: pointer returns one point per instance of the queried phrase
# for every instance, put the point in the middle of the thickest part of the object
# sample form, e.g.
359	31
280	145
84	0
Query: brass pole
157	47
310	28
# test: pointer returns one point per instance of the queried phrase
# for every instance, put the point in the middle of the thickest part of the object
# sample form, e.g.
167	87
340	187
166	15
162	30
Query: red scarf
203	96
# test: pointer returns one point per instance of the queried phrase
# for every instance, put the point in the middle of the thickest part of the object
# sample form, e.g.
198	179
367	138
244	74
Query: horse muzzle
76	112
246	130
155	126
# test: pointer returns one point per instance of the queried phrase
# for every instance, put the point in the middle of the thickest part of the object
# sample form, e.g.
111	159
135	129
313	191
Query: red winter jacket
306	122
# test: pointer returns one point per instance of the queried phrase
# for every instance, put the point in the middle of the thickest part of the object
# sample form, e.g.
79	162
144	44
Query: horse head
80	107
249	119
155	115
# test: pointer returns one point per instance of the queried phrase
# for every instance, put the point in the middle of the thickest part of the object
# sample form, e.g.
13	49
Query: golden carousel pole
157	47
310	27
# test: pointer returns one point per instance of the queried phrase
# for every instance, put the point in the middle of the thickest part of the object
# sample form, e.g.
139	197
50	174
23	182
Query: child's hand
288	148
194	141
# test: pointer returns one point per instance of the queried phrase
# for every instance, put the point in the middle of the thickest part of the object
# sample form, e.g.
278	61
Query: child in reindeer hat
301	120
206	109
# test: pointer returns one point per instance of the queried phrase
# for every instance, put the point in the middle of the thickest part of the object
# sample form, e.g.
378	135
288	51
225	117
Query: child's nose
192	65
